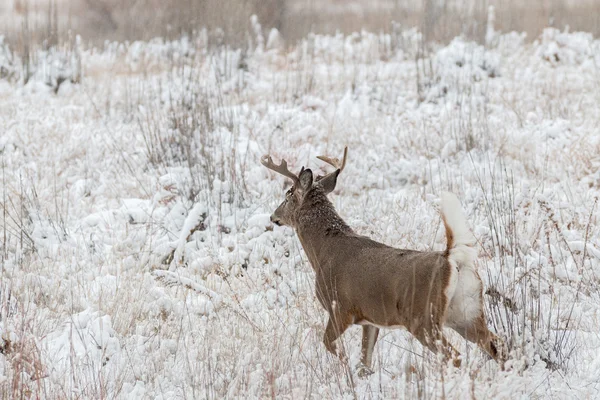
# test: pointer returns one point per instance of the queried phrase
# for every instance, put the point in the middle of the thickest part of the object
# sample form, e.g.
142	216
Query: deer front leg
369	337
336	326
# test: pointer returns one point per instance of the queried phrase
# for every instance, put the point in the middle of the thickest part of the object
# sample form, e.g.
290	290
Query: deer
360	281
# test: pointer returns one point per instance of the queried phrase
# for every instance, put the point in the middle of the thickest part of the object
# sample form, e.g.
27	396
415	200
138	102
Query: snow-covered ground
138	260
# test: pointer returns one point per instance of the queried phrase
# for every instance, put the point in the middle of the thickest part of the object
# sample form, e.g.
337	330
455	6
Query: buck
360	281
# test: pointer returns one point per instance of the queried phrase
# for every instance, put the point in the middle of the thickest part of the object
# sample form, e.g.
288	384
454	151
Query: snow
138	256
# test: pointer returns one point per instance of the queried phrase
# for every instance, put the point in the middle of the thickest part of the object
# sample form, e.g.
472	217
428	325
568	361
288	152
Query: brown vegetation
100	20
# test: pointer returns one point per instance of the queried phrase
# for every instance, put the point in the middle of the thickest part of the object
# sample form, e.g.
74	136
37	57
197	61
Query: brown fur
449	236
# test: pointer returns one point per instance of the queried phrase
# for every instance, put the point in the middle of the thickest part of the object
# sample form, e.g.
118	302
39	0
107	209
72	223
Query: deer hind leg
477	332
435	341
369	337
465	316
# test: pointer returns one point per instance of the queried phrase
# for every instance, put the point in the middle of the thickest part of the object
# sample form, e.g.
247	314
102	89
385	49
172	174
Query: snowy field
138	259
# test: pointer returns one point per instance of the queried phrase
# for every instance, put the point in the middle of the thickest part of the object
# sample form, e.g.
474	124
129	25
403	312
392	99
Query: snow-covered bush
461	55
457	67
566	48
55	66
9	69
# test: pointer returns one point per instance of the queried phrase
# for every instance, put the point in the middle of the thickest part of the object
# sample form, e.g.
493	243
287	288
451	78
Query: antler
336	161
282	168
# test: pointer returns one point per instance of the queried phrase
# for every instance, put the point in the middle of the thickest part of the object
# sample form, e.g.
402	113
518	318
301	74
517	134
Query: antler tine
335	161
282	168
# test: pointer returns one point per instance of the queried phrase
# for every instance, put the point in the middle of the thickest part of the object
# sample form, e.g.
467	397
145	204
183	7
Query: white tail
461	242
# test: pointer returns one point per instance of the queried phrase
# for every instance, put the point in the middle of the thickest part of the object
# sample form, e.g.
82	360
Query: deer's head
303	185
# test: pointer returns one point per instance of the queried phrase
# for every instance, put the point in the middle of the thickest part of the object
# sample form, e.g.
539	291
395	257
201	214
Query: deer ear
306	179
329	181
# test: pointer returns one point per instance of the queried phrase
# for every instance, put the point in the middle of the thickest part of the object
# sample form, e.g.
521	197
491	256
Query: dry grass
441	20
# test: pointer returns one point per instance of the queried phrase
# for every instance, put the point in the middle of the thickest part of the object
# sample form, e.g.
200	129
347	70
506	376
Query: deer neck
318	224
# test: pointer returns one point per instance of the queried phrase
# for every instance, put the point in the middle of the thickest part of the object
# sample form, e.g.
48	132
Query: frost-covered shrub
142	56
459	56
457	66
57	65
565	48
8	64
51	66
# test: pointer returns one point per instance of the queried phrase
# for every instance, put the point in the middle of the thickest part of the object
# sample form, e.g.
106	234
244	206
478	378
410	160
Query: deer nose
275	220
